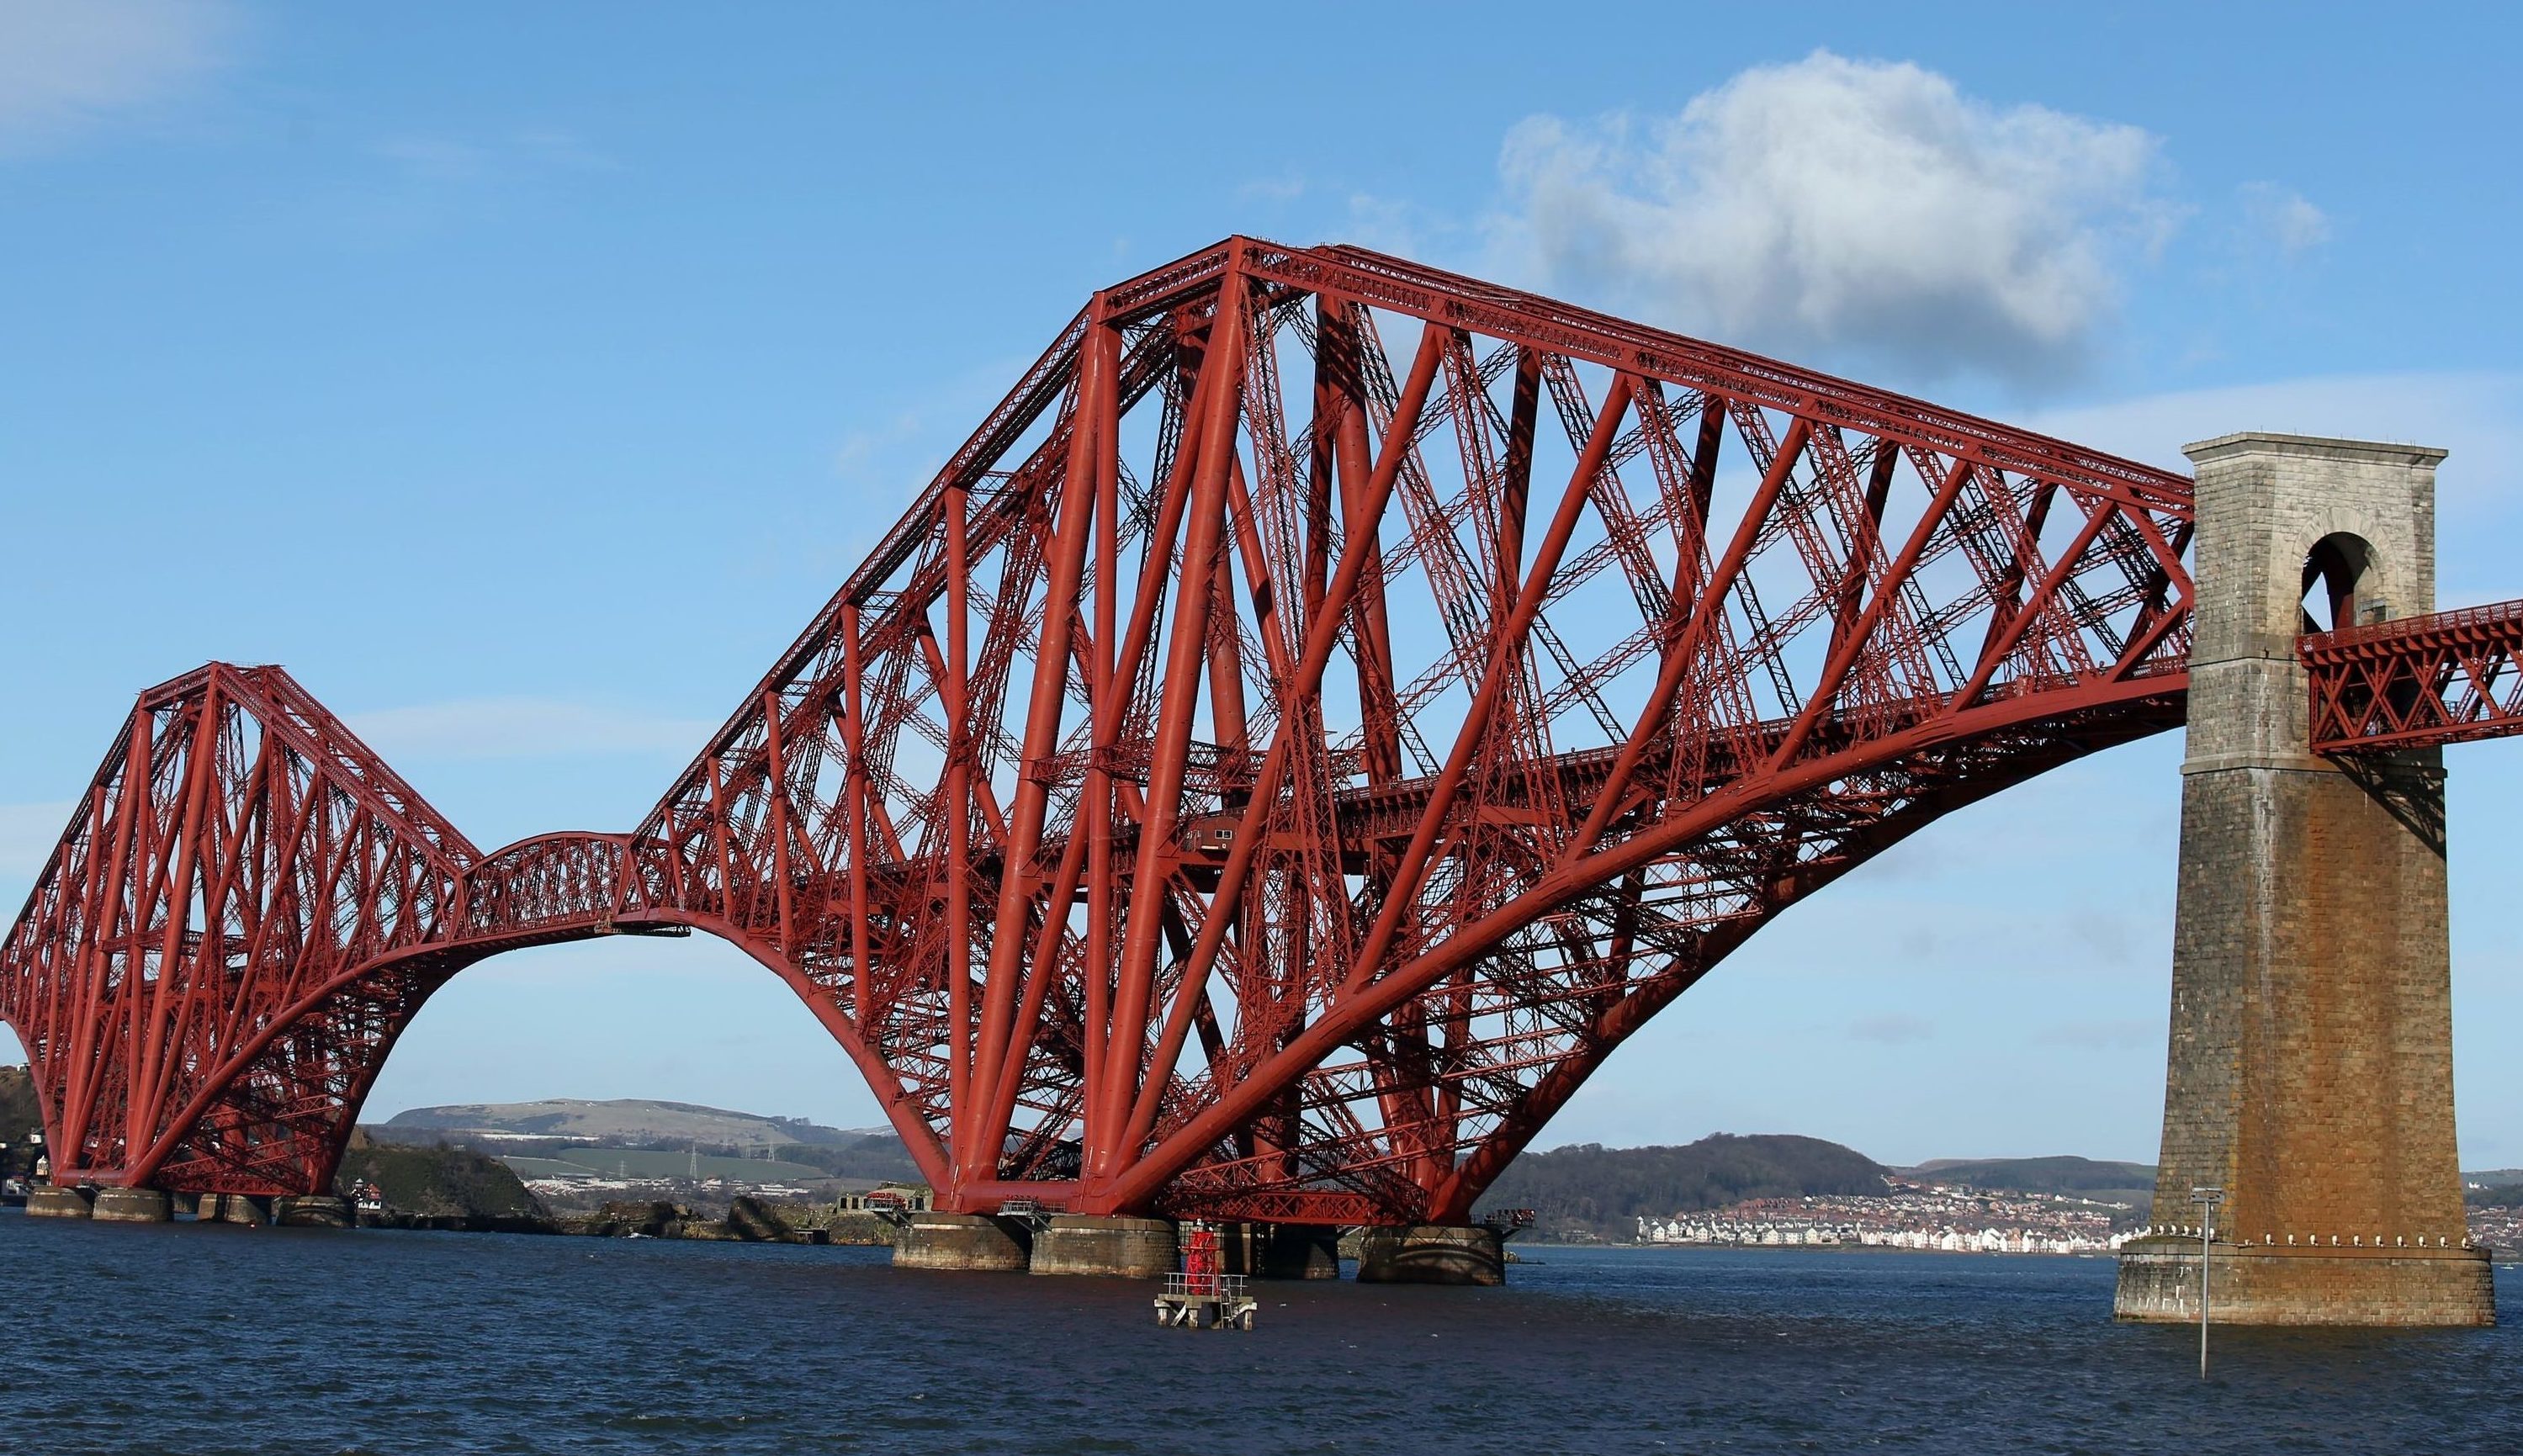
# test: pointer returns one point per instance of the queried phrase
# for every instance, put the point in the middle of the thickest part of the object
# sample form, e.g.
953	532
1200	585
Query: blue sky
523	379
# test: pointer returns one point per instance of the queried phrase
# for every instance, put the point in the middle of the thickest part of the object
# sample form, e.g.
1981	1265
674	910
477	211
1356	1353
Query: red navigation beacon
1204	1294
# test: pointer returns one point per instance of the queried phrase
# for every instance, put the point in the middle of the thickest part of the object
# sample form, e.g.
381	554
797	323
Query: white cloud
2475	416
2478	416
2283	217
523	727
1844	206
28	835
64	64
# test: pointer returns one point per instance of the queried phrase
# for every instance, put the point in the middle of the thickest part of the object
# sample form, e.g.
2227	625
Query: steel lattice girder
1262	776
2418	683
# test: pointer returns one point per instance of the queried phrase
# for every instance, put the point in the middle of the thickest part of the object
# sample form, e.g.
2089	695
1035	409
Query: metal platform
1214	1301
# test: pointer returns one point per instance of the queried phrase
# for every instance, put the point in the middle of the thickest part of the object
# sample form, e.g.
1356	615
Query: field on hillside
627	1163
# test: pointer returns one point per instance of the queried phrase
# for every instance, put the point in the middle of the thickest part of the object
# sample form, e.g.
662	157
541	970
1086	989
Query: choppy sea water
211	1340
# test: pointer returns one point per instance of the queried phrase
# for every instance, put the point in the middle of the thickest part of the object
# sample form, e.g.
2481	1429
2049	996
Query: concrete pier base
51	1200
969	1242
1431	1253
132	1205
2258	1284
312	1211
235	1209
1265	1250
1106	1244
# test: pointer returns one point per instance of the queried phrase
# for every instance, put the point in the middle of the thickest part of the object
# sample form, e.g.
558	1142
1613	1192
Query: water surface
211	1340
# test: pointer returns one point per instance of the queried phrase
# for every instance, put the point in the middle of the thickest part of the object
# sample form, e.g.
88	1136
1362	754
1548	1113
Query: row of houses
1947	1239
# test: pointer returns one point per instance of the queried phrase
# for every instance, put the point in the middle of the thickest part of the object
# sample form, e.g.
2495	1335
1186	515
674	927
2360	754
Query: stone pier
1281	1251
2261	1284
312	1212
1088	1243
963	1240
54	1201
232	1208
1431	1253
132	1205
2311	1067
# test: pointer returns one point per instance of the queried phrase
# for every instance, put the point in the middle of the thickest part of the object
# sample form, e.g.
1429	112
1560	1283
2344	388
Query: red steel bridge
1324	708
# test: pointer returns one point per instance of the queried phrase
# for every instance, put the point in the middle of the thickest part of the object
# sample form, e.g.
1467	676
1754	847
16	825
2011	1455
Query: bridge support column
1281	1251
132	1205
2310	1068
963	1240
312	1212
1088	1243
235	1209
57	1200
1431	1253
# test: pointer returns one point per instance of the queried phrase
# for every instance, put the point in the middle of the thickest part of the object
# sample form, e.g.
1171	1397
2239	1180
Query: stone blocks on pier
132	1205
232	1208
2259	1285
57	1200
1107	1245
2310	1068
1431	1253
963	1240
312	1212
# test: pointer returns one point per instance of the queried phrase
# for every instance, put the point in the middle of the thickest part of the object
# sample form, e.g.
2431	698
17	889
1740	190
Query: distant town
1954	1219
563	1162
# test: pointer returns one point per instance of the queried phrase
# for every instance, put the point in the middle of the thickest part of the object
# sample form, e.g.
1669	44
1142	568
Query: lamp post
2207	1198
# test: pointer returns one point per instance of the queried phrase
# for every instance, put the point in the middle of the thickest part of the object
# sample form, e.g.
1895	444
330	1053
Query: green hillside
630	1121
1589	1191
441	1182
636	1162
2040	1175
18	1116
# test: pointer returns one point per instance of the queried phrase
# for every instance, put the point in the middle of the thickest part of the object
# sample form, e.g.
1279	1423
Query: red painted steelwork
2418	683
1263	776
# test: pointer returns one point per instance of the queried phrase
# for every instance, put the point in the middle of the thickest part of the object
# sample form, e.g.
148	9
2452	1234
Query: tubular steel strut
1326	707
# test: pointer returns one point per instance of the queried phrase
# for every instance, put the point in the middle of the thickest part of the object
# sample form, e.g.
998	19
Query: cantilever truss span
1324	710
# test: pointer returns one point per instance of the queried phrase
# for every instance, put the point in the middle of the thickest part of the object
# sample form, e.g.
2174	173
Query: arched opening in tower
2337	590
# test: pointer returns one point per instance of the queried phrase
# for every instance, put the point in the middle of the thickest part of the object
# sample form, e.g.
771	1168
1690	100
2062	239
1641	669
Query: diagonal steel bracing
1326	707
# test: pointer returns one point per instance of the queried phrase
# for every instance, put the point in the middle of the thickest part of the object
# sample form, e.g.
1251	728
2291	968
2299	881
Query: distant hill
1589	1191
633	1162
2039	1175
18	1116
628	1122
568	1136
441	1182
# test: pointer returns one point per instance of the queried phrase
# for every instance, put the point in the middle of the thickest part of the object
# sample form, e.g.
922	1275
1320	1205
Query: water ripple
213	1339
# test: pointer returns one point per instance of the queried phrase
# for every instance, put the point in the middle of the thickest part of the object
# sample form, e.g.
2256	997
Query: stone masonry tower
2311	1072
